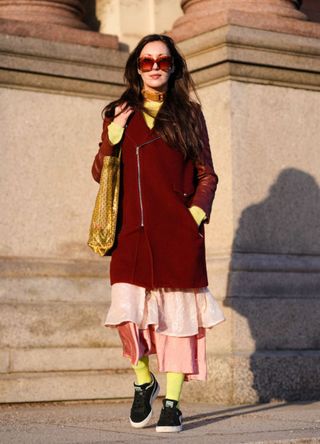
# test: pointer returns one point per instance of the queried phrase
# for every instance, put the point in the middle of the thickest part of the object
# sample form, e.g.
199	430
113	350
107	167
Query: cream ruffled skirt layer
170	323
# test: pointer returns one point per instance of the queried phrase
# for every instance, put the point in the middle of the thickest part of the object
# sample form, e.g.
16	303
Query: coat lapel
138	130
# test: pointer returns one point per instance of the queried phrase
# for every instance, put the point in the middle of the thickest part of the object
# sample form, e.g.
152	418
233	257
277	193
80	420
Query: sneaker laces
139	397
138	401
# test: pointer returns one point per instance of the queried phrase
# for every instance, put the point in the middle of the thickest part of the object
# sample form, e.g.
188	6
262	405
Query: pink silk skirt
170	323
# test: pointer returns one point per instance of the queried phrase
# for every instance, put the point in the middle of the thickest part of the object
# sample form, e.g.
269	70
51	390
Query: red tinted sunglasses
146	63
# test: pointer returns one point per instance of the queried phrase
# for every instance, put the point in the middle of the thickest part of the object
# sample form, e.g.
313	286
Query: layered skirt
170	323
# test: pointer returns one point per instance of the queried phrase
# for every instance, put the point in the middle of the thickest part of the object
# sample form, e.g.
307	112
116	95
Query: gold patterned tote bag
104	218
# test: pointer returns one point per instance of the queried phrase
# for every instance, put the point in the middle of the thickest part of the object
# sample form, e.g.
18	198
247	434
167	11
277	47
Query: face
157	78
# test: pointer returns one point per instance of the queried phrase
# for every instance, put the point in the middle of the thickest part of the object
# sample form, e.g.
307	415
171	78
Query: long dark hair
177	121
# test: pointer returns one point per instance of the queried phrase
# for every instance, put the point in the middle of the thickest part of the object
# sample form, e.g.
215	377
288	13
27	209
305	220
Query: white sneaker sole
139	425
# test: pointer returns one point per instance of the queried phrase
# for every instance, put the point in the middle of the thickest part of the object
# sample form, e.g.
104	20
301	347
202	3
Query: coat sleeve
207	179
105	149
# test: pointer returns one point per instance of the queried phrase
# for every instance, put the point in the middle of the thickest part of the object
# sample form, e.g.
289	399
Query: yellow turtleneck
115	132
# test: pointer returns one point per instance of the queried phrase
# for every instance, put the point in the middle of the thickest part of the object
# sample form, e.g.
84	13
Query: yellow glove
197	213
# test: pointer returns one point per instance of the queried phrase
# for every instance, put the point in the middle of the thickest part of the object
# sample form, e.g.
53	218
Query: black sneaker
144	395
170	417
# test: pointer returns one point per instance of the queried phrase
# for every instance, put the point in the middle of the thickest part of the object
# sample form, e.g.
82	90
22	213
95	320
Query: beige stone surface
219	385
242	378
47	187
165	13
56	324
67	359
286	283
71	385
4	361
270	137
218	271
216	102
35	267
220	337
276	376
275	324
61	68
65	60
54	289
243	390
132	20
57	386
253	56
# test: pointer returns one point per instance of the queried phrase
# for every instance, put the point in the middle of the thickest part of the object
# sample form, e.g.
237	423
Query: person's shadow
274	284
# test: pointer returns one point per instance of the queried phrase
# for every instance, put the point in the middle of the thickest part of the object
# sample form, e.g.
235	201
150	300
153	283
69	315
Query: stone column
59	12
205	15
58	20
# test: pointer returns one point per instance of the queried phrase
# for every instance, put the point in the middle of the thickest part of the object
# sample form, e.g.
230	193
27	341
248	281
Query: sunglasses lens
165	63
146	63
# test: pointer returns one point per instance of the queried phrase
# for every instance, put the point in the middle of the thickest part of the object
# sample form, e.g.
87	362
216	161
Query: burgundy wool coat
158	242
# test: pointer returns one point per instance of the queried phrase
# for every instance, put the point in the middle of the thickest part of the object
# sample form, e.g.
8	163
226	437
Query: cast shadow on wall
273	284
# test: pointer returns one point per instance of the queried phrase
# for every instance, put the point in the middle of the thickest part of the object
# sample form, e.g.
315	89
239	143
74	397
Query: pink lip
155	76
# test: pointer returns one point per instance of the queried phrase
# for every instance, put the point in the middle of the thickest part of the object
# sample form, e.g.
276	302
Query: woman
160	301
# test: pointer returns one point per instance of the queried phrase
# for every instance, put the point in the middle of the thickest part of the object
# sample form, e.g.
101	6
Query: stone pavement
105	421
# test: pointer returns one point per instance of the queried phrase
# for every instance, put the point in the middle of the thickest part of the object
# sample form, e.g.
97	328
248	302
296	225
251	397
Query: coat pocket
185	193
185	196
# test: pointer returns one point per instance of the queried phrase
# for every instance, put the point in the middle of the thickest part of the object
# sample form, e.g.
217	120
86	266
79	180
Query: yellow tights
174	380
142	370
174	385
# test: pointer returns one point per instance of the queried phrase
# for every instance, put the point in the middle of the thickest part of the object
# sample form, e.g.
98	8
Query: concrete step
68	386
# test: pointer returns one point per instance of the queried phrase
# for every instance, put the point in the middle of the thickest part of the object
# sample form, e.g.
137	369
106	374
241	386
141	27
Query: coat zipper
139	185
139	177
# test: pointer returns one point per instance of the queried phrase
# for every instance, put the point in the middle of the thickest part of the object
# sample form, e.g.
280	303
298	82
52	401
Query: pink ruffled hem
190	359
174	312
